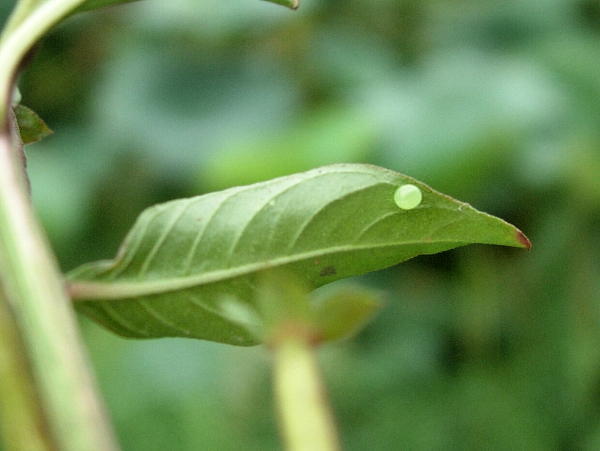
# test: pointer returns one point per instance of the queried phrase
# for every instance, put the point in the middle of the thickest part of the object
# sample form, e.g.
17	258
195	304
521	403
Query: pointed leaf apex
292	4
522	238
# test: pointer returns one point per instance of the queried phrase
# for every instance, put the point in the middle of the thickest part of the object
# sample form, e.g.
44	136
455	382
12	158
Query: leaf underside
90	5
182	259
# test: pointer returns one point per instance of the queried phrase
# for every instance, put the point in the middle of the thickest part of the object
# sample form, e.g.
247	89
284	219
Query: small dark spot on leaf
328	271
317	262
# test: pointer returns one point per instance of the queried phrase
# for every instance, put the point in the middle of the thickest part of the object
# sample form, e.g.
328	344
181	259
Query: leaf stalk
305	417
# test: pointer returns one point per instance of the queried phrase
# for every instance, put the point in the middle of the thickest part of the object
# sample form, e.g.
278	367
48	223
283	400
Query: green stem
22	424
46	321
19	14
32	25
306	421
32	284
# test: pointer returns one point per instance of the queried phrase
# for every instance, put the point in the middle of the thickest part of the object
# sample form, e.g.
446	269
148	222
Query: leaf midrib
110	290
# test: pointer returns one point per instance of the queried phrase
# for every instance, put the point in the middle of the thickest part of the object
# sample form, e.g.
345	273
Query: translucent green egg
408	197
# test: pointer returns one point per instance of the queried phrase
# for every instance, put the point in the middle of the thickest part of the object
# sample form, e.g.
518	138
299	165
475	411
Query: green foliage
89	5
285	309
183	258
493	103
344	312
292	4
31	127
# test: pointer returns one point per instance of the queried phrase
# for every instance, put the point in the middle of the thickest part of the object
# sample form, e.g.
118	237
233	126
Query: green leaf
284	307
183	259
31	127
96	4
292	4
344	313
282	298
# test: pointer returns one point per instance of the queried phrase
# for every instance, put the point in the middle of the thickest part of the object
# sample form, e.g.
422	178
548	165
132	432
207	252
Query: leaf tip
32	127
291	4
522	238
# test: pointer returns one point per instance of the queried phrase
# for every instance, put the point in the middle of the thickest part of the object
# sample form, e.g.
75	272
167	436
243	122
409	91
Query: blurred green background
494	102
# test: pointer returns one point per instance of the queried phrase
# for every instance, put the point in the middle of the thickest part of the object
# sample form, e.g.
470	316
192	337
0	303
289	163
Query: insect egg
408	197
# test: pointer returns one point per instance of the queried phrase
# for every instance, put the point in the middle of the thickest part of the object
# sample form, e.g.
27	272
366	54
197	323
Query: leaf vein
198	238
303	227
121	266
285	190
373	224
118	318
176	216
161	319
105	291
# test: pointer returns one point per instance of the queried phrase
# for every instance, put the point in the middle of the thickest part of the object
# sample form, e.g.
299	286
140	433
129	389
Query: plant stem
22	422
34	293
32	25
45	319
20	13
306	421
